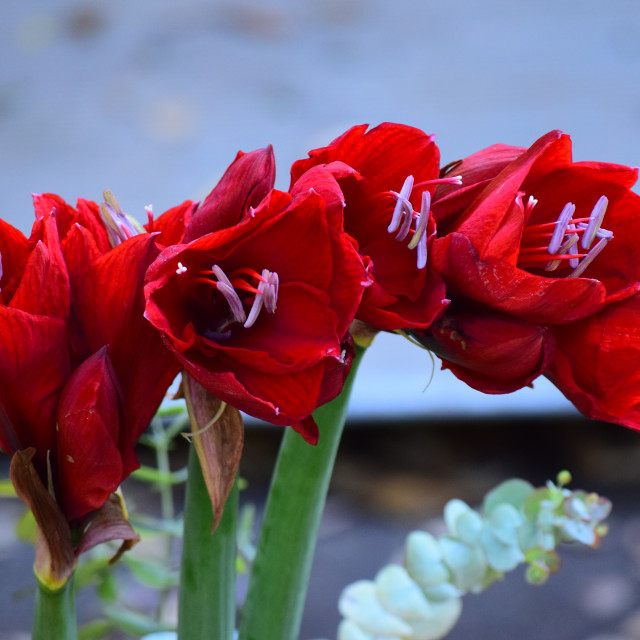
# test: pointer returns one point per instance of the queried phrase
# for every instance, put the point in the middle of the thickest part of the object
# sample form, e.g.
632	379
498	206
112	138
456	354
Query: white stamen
267	295
561	226
595	220
419	239
589	258
181	268
423	220
225	287
573	248
403	232
271	290
403	206
566	247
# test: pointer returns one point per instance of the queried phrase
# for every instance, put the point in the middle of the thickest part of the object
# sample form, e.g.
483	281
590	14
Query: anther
403	206
419	239
563	244
225	287
404	216
267	295
561	227
595	220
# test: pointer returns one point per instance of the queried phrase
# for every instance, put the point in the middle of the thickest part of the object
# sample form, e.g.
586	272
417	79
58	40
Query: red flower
81	371
597	363
258	312
546	241
394	175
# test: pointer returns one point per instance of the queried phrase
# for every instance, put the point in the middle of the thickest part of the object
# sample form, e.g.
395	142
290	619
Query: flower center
404	216
264	288
569	240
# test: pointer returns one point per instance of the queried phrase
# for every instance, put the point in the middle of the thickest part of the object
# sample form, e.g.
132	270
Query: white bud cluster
421	600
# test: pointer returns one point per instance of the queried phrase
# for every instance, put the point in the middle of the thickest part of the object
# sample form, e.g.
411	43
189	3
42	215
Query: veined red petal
34	366
109	303
89	463
13	255
245	183
44	286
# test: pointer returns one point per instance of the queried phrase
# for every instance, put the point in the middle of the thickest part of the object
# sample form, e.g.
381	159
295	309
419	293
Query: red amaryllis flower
258	312
547	241
387	211
81	371
597	363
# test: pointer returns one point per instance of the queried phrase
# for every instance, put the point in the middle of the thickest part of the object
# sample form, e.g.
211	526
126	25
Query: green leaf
108	587
89	569
160	478
150	573
513	492
6	489
26	527
148	526
133	622
95	630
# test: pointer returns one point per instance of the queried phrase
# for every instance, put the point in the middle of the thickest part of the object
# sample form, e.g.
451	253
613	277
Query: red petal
308	429
598	364
44	287
492	353
89	417
34	366
109	303
172	223
13	255
502	286
245	183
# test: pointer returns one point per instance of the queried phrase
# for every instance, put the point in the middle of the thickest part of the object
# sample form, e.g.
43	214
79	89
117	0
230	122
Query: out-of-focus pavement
153	98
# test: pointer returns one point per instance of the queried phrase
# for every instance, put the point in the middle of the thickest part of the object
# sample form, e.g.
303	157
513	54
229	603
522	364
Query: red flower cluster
509	264
81	371
540	261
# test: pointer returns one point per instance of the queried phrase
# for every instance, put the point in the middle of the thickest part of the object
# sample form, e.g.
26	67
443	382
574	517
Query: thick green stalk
280	573
55	617
207	604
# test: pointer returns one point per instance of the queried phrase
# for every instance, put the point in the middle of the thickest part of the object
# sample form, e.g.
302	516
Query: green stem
55	617
161	442
207	604
280	572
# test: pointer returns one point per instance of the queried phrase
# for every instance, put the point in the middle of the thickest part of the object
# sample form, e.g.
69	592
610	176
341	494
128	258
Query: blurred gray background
153	98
